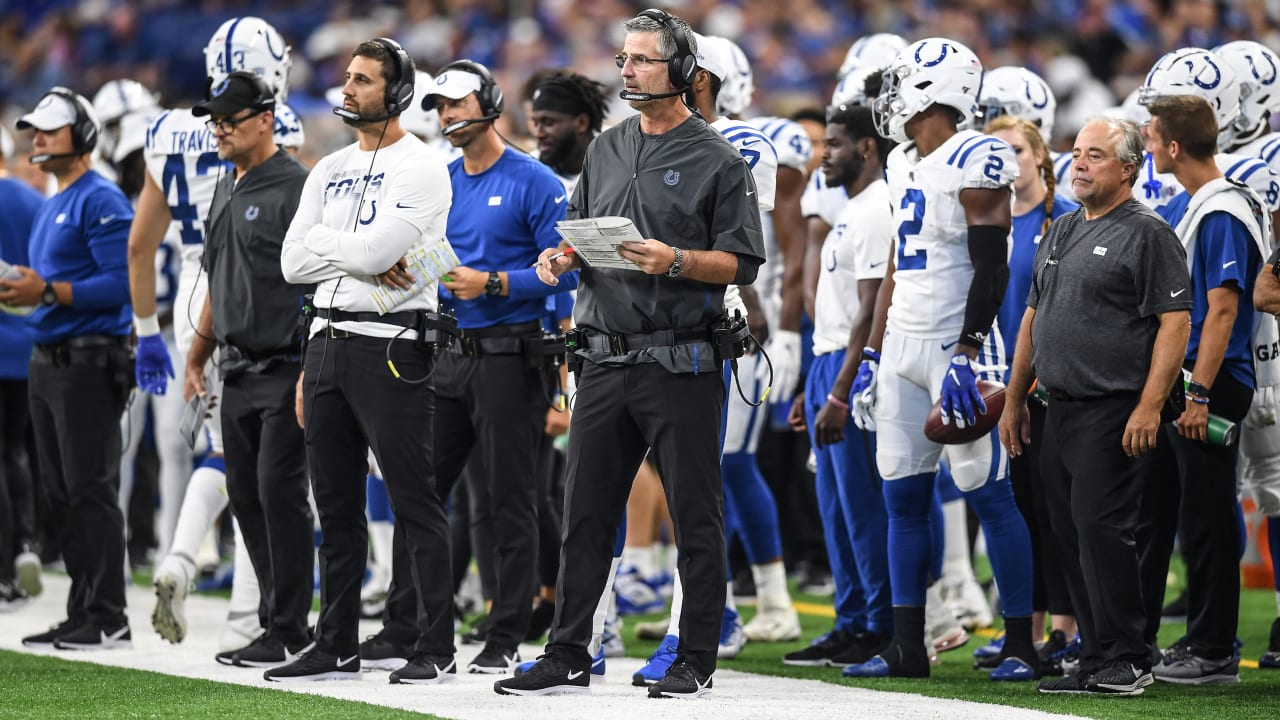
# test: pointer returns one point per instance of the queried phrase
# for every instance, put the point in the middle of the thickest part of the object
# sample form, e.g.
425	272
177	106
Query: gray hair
666	41
1130	147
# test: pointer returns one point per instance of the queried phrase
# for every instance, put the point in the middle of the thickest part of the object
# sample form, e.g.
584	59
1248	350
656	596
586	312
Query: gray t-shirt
688	188
1098	287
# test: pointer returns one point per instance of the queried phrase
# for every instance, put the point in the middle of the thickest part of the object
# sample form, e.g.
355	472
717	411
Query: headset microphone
46	157
352	116
455	127
628	95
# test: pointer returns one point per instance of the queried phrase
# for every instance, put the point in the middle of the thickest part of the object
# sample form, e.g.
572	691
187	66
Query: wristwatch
48	298
677	265
493	288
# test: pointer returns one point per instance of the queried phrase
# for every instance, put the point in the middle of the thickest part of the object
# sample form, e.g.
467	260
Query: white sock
642	559
729	601
677	606
205	499
605	603
381	535
1278	595
668	557
957	566
245	593
771	585
175	465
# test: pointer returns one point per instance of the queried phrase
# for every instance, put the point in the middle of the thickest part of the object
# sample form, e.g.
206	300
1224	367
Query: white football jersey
759	153
857	248
932	268
1155	190
1265	148
789	139
821	200
182	158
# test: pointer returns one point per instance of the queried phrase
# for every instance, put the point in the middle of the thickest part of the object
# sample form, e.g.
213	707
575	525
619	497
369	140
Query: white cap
6	144
713	56
53	112
455	84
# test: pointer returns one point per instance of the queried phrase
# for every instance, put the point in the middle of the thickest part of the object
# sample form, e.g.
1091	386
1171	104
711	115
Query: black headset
489	94
84	130
400	90
683	64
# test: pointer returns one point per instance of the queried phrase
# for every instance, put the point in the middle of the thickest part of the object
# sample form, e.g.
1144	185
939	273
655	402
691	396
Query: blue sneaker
1013	670
635	596
658	664
991	649
876	667
732	637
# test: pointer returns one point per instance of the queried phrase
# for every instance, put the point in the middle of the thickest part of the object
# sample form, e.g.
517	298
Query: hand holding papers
596	240
427	264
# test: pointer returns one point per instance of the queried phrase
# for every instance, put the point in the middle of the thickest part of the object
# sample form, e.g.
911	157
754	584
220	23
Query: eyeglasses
229	125
637	60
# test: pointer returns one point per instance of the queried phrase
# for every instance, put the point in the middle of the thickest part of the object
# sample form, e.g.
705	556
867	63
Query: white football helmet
1196	71
1019	92
288	131
249	43
737	89
113	102
852	88
1257	68
933	71
876	50
422	123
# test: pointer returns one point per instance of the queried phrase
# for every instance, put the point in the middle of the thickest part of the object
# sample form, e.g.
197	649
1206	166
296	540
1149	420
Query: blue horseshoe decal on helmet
930	63
1042	104
1257	75
274	54
1196	78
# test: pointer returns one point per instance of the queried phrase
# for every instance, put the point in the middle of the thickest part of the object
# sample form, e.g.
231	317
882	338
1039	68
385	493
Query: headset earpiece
400	90
490	95
683	64
84	130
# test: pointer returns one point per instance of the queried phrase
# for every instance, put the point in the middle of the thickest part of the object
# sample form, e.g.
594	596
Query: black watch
48	298
493	288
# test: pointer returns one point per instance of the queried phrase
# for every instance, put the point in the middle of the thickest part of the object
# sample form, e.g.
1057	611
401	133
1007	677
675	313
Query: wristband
1198	399
837	402
869	354
148	325
1195	388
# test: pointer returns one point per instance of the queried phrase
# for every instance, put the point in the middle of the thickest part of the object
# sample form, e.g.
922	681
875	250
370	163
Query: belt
525	328
404	318
80	350
622	343
233	354
498	339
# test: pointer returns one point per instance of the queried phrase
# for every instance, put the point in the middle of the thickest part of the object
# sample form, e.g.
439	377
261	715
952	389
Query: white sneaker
942	631
611	640
241	629
653	630
732	638
172	583
773	624
26	568
968	602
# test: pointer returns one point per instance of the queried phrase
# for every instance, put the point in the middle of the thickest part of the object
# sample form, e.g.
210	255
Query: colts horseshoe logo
1037	104
1202	84
1253	66
373	206
935	61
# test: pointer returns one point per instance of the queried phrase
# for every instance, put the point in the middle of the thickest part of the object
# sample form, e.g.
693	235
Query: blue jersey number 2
179	196
914	259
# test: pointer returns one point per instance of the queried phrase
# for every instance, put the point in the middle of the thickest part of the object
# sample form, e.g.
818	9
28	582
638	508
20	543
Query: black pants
1049	585
353	403
1192	492
495	404
75	412
620	413
550	505
17	501
267	488
1086	471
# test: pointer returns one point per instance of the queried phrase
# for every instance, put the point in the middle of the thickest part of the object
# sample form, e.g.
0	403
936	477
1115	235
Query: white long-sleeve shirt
360	212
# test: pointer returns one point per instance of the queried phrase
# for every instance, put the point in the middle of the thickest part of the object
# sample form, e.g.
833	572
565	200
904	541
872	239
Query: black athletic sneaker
92	636
267	651
540	619
380	652
683	681
316	665
46	638
495	660
424	669
1121	679
549	676
1270	660
819	653
1069	685
865	646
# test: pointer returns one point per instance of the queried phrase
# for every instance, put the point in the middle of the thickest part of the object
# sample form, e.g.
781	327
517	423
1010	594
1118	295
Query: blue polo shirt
19	204
1225	254
501	220
81	235
1022	256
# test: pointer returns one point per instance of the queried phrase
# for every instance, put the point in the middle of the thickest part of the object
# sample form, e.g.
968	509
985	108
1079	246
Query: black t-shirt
688	188
1098	287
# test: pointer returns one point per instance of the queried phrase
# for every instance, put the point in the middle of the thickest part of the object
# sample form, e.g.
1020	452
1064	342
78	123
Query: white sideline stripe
735	694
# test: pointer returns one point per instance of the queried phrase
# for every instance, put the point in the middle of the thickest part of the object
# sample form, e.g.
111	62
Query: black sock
1018	642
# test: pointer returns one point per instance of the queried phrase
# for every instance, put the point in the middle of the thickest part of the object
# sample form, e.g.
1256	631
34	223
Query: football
992	395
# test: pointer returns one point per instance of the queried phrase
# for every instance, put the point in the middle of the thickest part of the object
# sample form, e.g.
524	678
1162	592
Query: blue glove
862	396
961	400
152	365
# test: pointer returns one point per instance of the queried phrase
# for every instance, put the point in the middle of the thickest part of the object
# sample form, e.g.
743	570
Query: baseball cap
454	84
713	56
52	112
241	90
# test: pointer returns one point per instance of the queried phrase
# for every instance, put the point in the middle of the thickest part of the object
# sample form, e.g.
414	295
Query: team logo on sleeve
671	178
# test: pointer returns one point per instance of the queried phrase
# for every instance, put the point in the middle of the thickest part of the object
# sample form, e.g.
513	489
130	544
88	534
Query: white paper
8	272
596	240
427	264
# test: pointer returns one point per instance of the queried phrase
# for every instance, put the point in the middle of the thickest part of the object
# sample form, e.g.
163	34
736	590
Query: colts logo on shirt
671	178
251	213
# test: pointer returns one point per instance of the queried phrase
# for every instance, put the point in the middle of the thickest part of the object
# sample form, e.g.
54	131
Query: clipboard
193	416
